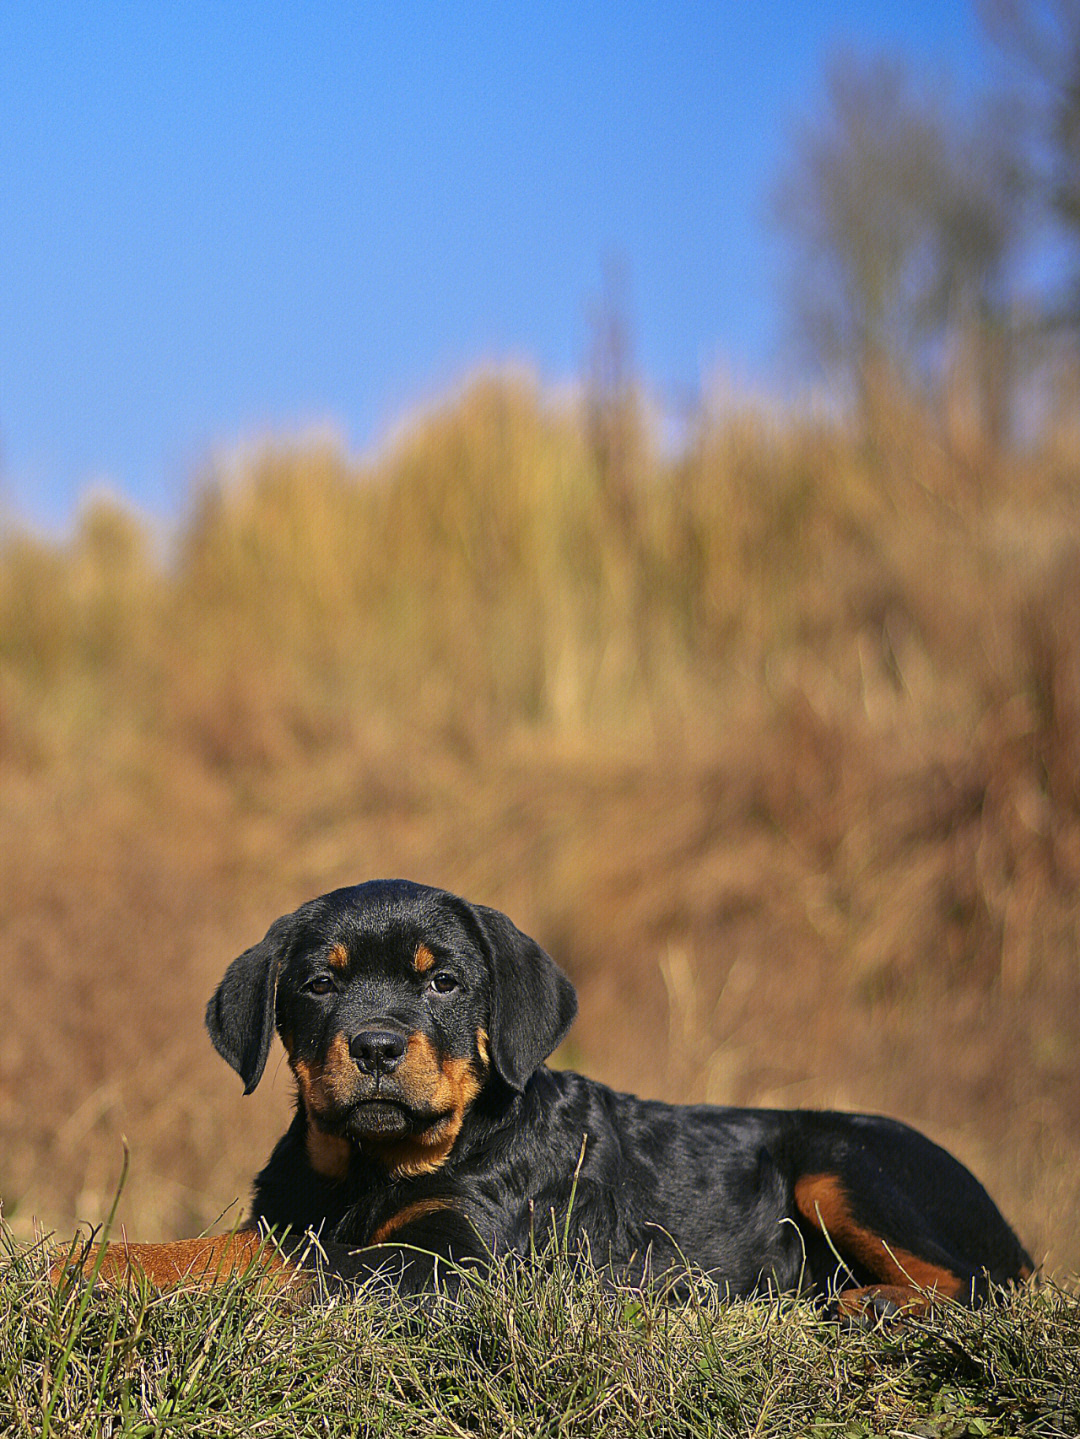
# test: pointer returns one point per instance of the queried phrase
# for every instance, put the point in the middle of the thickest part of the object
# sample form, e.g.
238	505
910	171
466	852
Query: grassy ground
524	1353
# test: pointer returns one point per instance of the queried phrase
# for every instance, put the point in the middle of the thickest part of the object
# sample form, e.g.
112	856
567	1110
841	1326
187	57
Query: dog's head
396	1004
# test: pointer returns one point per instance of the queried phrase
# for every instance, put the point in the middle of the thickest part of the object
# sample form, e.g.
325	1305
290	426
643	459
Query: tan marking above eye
338	958
423	959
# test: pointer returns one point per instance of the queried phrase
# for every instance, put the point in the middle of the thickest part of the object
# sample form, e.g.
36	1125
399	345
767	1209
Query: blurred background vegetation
764	719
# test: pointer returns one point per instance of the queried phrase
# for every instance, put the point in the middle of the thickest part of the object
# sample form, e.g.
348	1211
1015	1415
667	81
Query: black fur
789	1199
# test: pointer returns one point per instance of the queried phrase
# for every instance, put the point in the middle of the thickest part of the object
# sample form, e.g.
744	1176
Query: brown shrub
773	742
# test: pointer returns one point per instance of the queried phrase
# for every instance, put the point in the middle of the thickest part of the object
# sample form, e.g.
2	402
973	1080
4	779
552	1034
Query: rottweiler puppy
429	1133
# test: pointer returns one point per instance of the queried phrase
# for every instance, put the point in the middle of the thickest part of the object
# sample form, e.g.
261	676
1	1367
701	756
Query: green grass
522	1352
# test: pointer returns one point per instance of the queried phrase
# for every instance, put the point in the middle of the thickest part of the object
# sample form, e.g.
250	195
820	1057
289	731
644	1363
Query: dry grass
775	744
532	1350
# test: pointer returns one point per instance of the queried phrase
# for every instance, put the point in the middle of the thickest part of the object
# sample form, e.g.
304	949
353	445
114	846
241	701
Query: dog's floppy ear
533	1003
240	1017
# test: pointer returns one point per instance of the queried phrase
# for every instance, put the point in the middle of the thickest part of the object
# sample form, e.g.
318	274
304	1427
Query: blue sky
220	220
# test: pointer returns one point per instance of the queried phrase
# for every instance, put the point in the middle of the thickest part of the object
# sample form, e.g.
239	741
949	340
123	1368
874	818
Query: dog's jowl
428	1129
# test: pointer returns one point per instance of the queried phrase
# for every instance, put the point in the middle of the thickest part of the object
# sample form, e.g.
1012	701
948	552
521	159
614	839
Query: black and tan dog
428	1128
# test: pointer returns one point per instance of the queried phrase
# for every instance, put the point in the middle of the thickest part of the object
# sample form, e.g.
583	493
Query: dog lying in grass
429	1133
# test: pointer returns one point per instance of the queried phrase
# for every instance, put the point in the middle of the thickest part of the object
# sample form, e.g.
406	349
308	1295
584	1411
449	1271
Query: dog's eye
321	984
443	983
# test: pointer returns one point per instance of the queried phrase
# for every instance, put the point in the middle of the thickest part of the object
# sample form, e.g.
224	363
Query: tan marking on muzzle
447	1085
329	1084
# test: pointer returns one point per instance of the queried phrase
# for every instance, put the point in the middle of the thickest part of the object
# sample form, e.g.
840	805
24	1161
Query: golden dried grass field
775	745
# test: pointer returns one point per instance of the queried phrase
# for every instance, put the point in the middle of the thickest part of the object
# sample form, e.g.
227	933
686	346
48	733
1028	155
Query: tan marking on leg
397	1221
198	1263
822	1200
338	958
423	959
853	1303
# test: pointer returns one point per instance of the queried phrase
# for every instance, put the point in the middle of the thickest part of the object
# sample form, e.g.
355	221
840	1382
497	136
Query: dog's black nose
378	1051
